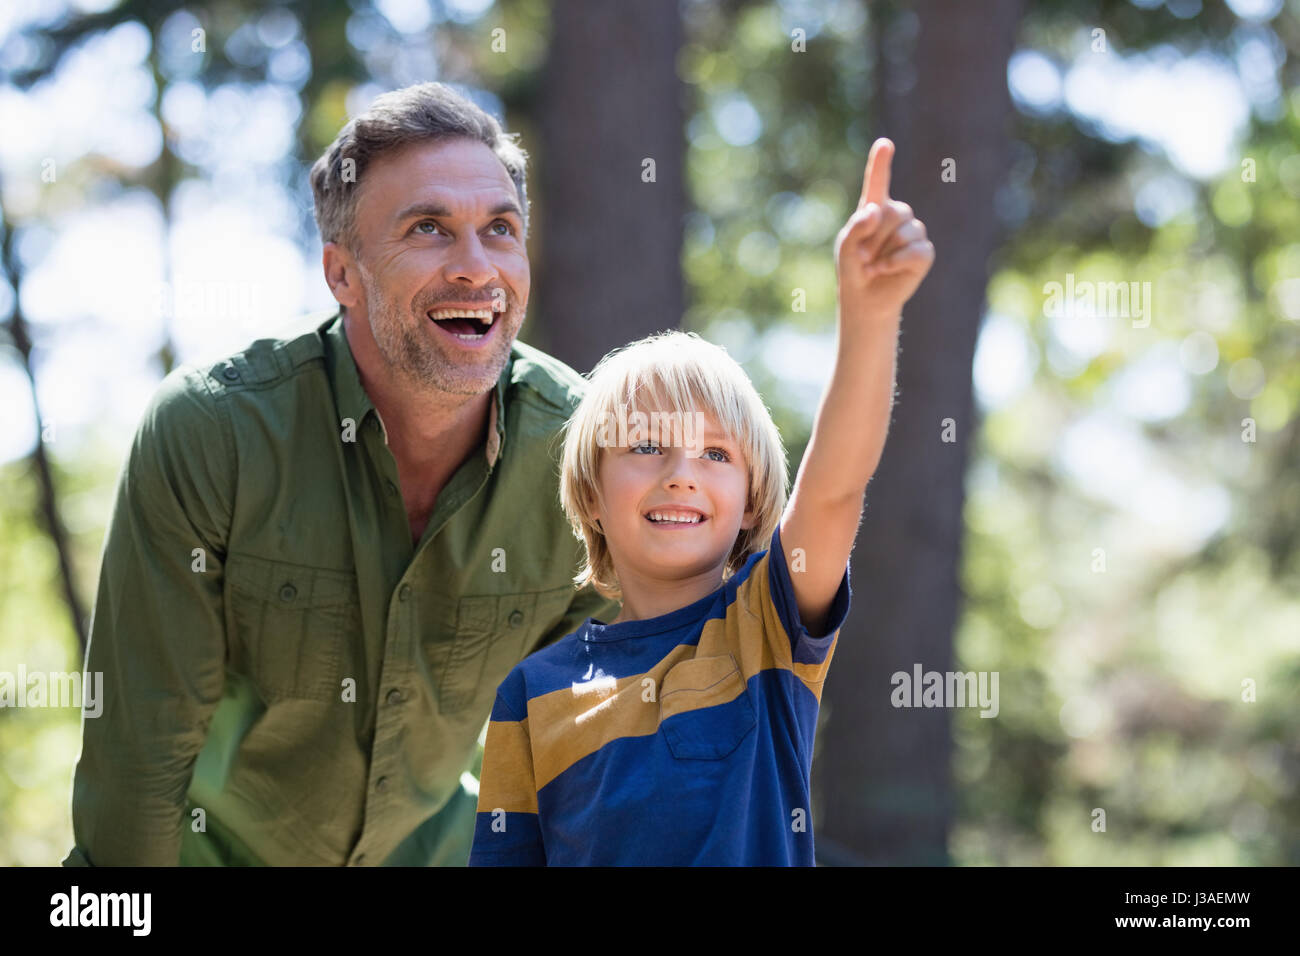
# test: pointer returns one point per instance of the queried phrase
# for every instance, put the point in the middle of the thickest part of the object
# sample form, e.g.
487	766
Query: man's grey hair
426	112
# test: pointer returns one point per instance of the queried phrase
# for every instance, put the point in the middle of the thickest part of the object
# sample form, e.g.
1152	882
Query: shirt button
288	592
516	618
404	592
381	784
394	696
230	373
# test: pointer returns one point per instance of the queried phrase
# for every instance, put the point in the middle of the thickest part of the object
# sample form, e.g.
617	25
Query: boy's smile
676	517
671	515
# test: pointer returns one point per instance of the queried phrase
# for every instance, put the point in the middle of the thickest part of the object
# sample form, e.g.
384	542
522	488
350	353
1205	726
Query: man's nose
469	262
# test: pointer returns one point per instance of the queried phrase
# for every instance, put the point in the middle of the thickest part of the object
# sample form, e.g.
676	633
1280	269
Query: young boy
682	731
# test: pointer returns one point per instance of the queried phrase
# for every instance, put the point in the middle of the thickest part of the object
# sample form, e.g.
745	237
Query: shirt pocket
288	626
492	634
704	708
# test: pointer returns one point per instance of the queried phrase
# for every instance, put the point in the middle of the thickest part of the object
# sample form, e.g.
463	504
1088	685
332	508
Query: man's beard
418	356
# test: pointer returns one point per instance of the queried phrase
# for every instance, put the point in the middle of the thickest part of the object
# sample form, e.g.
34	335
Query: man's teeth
683	519
483	315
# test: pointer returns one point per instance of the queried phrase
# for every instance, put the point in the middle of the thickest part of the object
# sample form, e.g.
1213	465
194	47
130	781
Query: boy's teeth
656	516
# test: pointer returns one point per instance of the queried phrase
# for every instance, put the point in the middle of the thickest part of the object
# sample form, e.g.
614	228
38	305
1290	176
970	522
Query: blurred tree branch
16	327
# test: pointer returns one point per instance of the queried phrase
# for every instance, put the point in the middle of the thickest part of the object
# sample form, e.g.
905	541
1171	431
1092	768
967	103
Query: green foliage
39	746
1121	689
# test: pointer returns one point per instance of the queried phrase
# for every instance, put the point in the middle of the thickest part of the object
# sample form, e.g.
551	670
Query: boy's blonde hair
687	374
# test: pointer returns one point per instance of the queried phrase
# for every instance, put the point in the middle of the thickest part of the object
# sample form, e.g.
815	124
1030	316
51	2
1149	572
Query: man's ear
342	274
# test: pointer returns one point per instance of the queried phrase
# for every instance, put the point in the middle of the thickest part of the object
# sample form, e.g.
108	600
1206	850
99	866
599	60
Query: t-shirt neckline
593	630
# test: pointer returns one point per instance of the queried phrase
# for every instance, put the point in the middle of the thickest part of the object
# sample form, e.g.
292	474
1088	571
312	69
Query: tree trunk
50	514
884	790
608	268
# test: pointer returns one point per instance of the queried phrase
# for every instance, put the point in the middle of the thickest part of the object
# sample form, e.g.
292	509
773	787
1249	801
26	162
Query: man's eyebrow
439	211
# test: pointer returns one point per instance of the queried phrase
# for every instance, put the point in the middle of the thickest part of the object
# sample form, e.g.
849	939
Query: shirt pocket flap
492	634
287	624
290	585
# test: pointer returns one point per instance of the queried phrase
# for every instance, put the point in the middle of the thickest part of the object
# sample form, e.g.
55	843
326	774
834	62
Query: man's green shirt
287	679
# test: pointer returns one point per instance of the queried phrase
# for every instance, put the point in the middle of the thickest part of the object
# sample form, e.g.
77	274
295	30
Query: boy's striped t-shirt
675	740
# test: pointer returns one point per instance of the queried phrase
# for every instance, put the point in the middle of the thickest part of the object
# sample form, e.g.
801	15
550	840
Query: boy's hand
882	253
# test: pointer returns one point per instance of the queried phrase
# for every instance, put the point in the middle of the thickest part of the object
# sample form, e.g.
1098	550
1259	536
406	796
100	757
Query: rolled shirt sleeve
157	632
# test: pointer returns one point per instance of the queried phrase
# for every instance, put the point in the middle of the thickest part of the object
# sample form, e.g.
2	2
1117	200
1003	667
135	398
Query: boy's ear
594	503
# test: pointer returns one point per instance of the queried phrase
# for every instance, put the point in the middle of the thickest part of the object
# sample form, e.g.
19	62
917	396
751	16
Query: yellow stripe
699	682
574	722
755	598
814	675
506	781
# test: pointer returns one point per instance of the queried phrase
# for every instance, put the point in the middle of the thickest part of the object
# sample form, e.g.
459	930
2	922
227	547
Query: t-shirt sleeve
507	831
811	651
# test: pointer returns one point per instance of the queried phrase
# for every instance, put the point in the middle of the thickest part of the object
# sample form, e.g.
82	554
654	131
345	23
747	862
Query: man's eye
509	229
426	222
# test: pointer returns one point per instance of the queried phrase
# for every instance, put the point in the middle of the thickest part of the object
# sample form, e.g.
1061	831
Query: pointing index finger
875	181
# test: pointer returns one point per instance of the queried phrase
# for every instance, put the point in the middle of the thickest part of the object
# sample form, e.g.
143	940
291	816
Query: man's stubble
415	354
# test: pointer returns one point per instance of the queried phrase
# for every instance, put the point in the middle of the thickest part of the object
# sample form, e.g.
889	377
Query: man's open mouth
467	324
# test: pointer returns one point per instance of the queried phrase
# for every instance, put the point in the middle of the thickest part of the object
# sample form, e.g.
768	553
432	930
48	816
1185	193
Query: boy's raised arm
881	256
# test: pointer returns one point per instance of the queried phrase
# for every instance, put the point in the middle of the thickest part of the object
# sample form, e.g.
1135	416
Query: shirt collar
354	403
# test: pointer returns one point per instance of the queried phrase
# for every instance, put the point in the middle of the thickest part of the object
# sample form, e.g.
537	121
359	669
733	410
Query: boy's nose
680	477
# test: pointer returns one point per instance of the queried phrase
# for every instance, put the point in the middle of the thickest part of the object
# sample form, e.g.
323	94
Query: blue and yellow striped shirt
675	740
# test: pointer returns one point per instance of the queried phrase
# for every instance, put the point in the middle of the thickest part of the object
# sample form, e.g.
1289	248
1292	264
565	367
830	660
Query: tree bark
883	780
609	252
49	502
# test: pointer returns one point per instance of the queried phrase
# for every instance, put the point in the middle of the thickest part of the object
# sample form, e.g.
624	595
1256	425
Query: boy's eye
722	455
645	445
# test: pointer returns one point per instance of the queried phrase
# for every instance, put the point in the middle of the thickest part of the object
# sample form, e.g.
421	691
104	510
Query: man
328	549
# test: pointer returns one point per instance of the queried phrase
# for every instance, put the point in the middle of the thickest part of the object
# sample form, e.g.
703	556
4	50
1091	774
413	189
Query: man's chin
463	375
456	380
